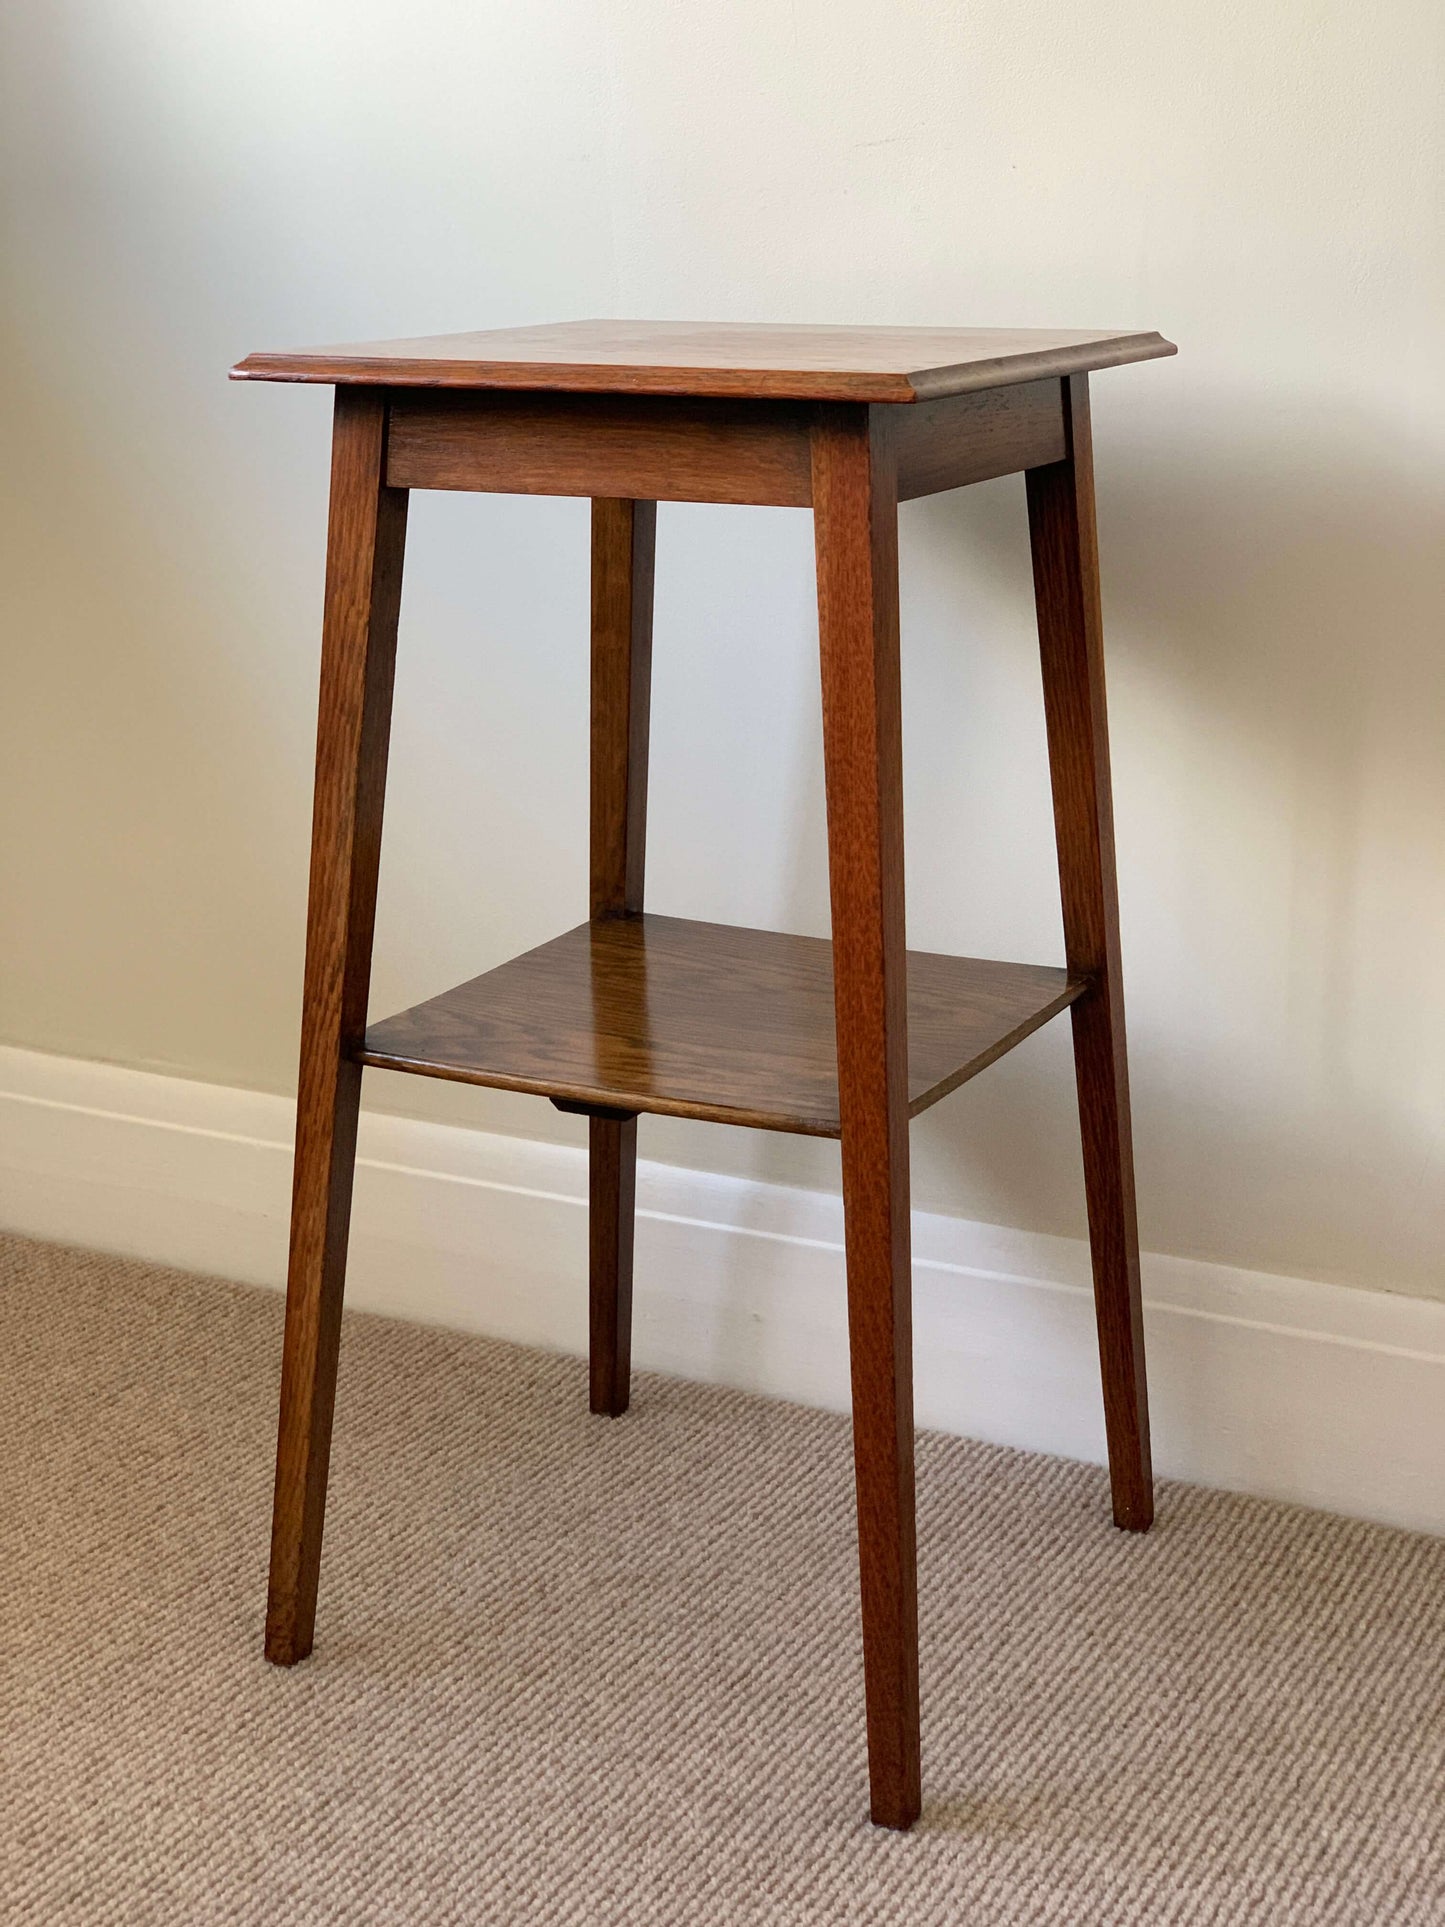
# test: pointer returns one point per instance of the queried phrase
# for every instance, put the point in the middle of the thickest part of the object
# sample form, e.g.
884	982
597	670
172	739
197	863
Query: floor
578	1671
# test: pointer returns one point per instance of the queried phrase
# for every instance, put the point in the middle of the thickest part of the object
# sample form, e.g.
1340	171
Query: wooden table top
780	361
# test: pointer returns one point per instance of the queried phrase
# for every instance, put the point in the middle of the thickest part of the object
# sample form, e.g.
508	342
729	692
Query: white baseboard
1297	1390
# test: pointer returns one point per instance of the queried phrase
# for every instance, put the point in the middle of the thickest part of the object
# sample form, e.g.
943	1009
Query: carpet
572	1670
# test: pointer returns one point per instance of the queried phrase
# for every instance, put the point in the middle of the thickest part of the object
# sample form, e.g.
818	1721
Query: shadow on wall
1277	688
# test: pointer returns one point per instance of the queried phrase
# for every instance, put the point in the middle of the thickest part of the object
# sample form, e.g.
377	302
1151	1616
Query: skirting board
1297	1390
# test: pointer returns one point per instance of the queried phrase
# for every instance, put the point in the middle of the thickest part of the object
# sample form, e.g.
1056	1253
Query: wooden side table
632	1012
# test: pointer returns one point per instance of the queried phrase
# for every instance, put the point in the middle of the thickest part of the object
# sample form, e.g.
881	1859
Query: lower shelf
705	1020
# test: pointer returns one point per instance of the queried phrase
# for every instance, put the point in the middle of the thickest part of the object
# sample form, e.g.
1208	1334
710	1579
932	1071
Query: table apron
687	449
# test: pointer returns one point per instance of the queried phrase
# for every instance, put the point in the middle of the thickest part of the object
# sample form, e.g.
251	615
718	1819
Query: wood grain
1066	582
624	547
660	448
718	358
611	1225
358	652
624	542
855	509
705	1020
973	438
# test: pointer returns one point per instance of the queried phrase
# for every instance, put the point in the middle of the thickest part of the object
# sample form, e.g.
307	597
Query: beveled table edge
333	367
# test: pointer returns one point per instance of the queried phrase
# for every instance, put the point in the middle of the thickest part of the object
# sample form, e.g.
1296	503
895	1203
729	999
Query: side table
632	1012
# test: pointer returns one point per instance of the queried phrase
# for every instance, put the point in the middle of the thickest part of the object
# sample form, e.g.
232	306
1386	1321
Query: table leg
856	525
1066	584
358	651
623	546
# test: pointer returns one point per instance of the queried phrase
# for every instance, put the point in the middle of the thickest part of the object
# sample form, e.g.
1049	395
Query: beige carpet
588	1672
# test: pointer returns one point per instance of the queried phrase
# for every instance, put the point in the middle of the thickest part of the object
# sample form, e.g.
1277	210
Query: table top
778	360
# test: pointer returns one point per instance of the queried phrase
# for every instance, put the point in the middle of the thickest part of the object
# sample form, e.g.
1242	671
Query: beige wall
184	183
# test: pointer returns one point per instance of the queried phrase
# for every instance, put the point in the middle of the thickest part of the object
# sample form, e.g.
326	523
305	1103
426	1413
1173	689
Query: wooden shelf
705	1020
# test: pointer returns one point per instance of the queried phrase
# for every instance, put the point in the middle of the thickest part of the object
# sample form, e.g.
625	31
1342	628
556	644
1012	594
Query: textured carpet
572	1670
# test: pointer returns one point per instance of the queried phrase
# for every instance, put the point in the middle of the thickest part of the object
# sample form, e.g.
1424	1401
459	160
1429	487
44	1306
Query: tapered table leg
856	522
358	651
1066	584
612	1199
623	545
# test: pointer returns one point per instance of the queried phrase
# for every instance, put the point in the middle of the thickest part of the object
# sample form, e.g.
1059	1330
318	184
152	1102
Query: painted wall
183	184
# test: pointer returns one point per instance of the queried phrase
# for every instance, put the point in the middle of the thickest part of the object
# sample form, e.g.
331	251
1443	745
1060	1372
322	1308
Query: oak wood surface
611	1227
624	548
973	438
688	1019
685	449
624	542
855	510
358	650
654	447
718	358
1066	582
